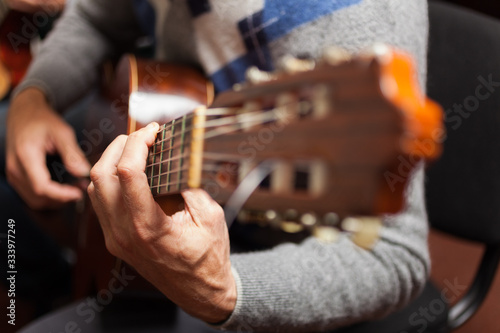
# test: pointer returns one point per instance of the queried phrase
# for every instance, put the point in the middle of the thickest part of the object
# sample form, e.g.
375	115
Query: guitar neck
174	161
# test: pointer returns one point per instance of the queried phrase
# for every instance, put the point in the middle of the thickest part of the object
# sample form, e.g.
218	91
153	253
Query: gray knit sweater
293	287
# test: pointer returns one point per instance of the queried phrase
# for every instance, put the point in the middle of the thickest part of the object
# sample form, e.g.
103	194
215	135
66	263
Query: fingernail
153	125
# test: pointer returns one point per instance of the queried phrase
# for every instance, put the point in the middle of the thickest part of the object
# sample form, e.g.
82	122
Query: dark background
489	7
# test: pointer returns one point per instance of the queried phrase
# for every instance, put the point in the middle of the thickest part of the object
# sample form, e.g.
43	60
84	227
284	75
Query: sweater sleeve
66	71
314	286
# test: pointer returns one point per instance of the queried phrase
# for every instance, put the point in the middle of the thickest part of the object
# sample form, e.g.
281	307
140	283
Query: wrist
228	303
24	102
32	94
28	105
223	305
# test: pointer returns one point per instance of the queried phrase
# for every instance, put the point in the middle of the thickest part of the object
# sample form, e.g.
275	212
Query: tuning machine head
365	231
335	55
255	76
291	65
380	52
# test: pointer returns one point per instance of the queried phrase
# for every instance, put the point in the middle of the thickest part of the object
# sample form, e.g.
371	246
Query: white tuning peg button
292	65
256	76
326	234
365	230
334	55
382	52
308	219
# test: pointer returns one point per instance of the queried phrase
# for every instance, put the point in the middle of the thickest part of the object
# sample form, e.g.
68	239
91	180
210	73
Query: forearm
67	63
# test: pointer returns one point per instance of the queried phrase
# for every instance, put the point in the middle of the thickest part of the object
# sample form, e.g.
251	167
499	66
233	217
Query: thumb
71	154
203	209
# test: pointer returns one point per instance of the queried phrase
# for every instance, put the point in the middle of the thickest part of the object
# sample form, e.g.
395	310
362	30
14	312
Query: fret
167	164
161	158
174	183
183	129
196	150
172	133
152	166
174	158
176	145
213	167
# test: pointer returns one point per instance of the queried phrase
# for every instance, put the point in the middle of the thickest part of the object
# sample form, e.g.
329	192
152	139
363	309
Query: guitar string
212	134
208	112
204	181
237	122
206	155
268	115
224	130
175	146
167	184
260	118
178	183
206	167
212	167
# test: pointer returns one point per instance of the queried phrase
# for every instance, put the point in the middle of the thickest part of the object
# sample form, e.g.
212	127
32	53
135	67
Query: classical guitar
338	138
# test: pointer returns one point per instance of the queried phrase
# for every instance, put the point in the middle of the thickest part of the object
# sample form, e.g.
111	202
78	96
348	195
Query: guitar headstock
344	134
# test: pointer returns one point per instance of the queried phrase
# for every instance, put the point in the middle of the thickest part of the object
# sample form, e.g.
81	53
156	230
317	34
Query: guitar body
124	89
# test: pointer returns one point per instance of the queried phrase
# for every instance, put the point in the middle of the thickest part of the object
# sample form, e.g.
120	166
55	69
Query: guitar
338	138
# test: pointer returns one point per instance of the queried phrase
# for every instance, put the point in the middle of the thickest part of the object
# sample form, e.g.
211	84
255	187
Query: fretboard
167	165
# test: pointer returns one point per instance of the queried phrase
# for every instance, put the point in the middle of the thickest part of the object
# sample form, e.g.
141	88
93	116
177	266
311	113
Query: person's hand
34	130
32	6
186	255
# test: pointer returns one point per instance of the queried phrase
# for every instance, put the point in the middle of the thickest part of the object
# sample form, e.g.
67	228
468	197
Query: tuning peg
335	55
292	65
291	227
290	222
272	218
382	52
365	230
331	220
256	76
326	234
308	219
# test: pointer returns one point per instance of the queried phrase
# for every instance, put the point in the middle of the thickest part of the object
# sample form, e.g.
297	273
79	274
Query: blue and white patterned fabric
231	36
269	21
